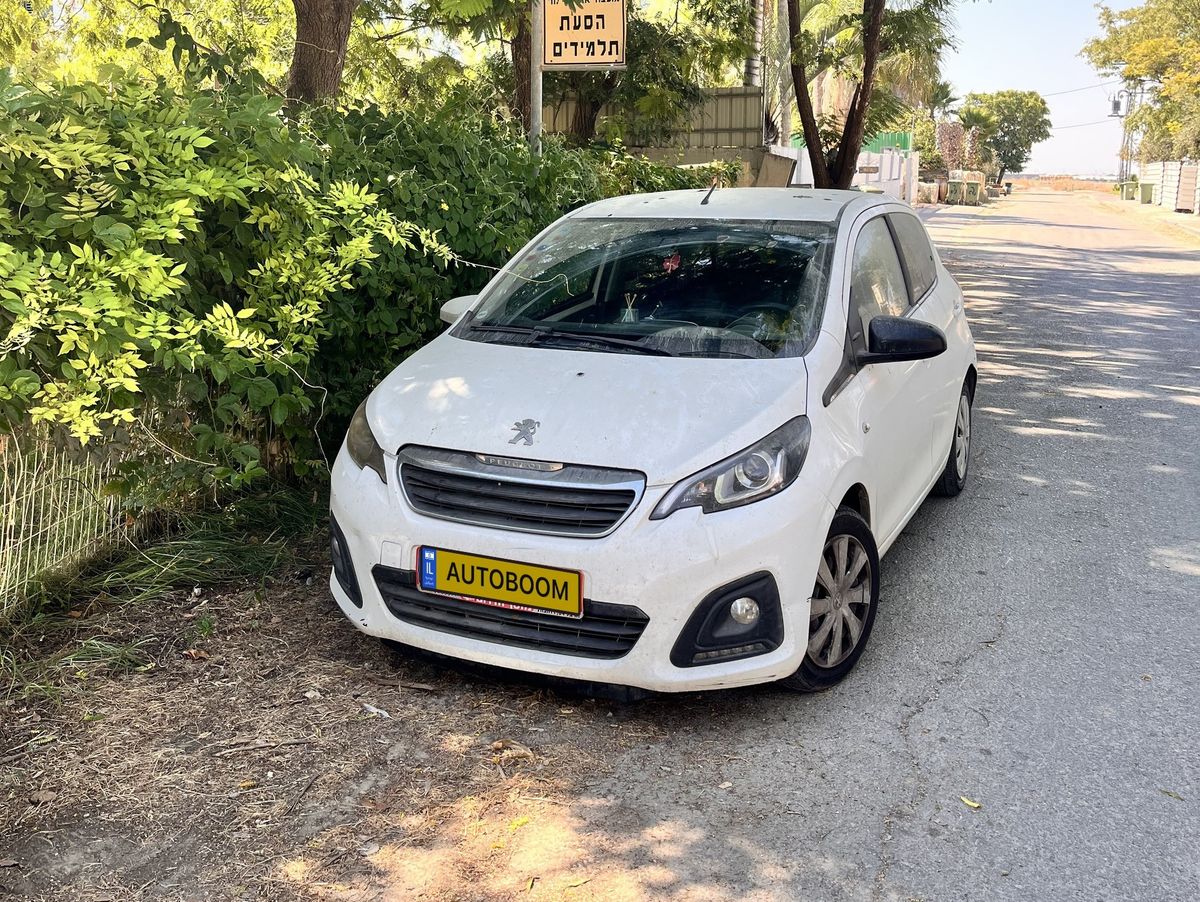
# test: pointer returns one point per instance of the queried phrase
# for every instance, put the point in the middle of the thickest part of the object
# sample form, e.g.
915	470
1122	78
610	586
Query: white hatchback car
666	446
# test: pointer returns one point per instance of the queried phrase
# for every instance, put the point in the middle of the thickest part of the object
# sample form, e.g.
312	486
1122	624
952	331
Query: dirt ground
286	756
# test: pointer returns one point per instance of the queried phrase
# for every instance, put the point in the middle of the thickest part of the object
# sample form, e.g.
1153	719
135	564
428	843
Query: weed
244	543
205	626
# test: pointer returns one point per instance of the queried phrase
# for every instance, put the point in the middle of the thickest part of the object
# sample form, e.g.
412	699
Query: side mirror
894	339
456	307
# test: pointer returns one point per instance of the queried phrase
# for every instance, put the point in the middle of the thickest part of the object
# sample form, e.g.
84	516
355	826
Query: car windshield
696	288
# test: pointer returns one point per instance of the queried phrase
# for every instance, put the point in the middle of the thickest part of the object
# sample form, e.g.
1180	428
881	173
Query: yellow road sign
590	36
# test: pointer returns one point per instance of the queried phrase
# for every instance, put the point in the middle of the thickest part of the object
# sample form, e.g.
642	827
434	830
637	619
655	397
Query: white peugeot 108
666	446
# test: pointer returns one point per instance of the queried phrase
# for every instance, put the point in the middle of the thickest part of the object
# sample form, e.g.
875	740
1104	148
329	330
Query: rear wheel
842	608
954	476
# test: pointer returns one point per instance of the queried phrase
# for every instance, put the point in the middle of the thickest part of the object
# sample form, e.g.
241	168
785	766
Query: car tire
846	590
958	462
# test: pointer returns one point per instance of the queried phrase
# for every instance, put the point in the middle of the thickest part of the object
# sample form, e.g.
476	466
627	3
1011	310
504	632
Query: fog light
744	611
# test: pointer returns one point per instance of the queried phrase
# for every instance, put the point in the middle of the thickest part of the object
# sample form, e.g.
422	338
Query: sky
1034	45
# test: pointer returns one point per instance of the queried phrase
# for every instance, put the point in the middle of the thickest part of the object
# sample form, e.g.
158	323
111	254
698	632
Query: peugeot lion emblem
524	431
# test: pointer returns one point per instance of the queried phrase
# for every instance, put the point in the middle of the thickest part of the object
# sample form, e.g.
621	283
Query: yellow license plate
500	583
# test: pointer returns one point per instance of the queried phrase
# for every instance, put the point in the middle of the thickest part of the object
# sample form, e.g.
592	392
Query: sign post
589	36
535	77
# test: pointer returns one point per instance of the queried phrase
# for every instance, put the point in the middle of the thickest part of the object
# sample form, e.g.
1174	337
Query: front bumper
664	568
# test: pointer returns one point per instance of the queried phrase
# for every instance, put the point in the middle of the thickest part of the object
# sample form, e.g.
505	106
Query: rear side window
876	279
917	253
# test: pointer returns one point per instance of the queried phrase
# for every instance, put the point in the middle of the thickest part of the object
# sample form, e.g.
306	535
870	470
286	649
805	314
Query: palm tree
941	100
978	126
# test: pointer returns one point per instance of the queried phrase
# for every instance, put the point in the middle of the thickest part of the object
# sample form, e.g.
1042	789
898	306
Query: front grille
604	631
560	500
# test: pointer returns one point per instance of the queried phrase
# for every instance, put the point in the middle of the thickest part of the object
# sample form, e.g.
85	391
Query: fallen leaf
579	882
247	784
725	785
75	614
510	749
528	886
368	848
10	863
1173	795
42	796
375	712
517	823
312	695
971	803
196	654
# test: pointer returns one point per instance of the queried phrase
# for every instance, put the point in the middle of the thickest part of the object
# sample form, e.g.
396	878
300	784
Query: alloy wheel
962	436
841	601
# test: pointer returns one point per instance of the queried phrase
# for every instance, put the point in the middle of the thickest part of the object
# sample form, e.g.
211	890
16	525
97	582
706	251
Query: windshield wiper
539	333
607	340
501	327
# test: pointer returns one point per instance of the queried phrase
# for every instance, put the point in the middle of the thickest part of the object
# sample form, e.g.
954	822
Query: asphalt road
1037	645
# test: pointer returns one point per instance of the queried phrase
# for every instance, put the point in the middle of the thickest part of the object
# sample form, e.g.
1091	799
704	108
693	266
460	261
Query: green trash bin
971	195
1129	190
955	192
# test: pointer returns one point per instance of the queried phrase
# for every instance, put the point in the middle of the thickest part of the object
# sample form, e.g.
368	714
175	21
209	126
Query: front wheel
842	608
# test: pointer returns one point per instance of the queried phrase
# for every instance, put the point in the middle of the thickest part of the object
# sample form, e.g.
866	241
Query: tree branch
808	119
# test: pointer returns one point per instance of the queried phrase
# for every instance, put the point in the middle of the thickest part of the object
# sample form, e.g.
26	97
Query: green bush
200	280
165	263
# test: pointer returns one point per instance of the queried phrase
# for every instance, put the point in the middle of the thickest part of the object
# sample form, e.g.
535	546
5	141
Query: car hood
664	416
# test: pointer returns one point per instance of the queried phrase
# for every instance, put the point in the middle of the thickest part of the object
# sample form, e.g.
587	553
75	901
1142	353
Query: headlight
766	467
361	444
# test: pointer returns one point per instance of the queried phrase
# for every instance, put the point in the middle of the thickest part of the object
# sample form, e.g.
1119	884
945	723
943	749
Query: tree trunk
322	33
808	121
1000	177
752	74
846	162
583	119
839	172
521	48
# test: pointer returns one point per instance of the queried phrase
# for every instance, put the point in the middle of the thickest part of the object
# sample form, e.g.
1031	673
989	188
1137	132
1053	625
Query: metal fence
727	117
53	511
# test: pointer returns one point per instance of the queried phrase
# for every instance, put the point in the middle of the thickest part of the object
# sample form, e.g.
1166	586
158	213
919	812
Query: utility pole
1125	102
537	50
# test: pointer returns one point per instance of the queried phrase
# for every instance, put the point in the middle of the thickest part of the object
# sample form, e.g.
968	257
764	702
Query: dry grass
243	754
1063	183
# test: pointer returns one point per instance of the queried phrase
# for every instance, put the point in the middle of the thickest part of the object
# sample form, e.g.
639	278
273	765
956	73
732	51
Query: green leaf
260	392
113	234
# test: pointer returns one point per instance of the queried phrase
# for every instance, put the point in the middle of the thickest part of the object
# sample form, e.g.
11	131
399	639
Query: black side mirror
894	339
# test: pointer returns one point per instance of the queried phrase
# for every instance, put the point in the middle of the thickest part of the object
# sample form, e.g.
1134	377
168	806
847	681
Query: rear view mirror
894	339
456	307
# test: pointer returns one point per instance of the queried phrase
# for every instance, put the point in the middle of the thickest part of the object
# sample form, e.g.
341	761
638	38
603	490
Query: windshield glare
698	288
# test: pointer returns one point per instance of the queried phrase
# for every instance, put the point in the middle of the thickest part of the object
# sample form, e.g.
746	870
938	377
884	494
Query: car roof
793	204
